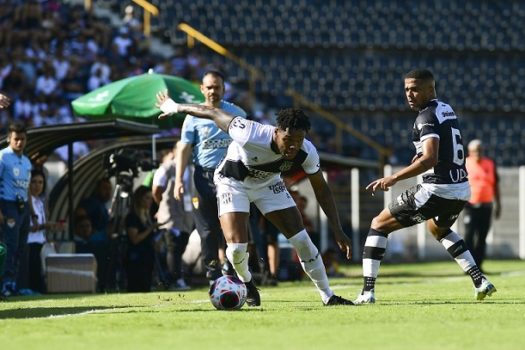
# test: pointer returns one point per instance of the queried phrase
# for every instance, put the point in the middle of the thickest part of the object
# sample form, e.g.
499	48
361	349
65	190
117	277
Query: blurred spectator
37	232
94	207
130	20
60	64
96	80
175	216
82	234
5	69
4	101
140	230
46	83
484	200
23	108
101	65
123	42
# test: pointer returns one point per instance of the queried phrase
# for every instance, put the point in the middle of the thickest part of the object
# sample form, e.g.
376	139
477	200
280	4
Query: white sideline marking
101	311
200	301
81	313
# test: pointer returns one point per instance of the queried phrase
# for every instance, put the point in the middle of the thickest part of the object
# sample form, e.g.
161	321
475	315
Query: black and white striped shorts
417	204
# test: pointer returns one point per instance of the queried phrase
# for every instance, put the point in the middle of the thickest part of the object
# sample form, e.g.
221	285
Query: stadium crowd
53	53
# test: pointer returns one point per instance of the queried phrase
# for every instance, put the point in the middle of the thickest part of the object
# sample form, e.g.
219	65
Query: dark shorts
417	205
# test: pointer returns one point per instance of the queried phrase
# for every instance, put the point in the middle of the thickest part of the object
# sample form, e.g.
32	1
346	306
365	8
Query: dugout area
119	136
126	138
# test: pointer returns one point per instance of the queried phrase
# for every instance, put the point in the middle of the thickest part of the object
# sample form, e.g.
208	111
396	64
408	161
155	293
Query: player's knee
379	225
440	233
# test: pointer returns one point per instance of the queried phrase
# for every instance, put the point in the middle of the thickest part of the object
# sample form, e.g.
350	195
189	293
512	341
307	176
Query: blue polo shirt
209	142
15	174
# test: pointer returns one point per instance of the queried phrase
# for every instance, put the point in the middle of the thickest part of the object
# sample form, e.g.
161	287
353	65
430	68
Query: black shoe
337	300
227	269
213	270
272	280
252	297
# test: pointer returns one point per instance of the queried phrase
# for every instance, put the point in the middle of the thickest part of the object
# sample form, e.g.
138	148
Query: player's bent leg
235	228
458	249
373	253
238	255
289	222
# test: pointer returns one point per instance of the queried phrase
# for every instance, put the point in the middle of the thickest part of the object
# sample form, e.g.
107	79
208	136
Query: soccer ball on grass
228	293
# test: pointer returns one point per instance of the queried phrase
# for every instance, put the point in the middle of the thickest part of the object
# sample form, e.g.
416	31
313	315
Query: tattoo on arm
220	117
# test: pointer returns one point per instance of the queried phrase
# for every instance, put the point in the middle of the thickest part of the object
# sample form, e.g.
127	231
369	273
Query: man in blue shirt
15	174
207	144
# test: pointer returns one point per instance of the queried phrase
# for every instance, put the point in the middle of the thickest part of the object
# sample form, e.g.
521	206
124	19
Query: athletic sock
312	263
457	248
237	254
373	253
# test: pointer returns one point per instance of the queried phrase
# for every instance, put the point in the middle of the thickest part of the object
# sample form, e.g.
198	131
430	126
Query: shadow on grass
43	312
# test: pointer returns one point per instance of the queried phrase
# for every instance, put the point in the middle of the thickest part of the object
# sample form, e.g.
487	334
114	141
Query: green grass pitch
419	306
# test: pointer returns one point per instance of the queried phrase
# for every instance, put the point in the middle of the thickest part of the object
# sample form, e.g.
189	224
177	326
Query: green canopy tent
134	99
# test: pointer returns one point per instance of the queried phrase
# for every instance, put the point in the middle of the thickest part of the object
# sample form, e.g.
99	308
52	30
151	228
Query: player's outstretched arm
169	107
420	164
326	200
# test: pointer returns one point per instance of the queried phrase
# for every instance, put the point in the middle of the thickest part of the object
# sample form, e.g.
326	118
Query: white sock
374	250
237	254
312	263
457	248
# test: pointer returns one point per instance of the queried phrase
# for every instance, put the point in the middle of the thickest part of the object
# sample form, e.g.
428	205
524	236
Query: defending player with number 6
251	172
445	190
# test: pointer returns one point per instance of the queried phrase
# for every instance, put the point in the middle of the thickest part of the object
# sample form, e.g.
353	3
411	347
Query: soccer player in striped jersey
445	190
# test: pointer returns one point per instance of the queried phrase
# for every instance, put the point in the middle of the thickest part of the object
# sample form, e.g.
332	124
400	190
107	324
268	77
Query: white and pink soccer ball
228	293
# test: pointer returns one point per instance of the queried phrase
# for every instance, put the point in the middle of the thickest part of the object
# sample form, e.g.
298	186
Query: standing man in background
207	144
485	196
15	175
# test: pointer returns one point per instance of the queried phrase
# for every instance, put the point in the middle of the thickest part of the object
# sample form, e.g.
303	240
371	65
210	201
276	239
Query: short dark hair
293	118
215	72
17	127
420	74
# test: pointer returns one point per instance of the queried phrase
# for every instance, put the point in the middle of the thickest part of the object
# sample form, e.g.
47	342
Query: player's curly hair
293	119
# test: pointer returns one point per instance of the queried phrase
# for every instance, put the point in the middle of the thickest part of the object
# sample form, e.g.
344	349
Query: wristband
169	106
